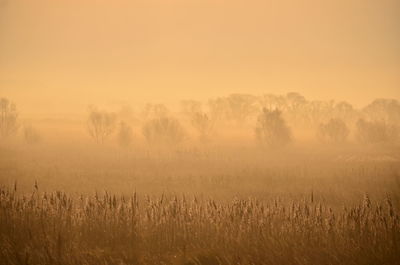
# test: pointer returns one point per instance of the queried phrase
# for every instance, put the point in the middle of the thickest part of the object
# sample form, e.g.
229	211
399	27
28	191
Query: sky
61	56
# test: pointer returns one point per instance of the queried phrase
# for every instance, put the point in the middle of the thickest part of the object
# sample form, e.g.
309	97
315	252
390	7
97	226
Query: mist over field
199	132
163	169
240	136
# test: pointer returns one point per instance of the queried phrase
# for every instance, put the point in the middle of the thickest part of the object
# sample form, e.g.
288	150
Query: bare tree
271	129
163	130
100	124
335	130
8	118
125	134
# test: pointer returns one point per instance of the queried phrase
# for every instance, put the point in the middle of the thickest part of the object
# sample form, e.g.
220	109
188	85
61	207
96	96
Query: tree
271	129
385	110
8	118
125	134
240	107
163	130
217	108
203	124
190	107
377	132
153	111
335	130
100	124
294	101
236	107
345	111
271	101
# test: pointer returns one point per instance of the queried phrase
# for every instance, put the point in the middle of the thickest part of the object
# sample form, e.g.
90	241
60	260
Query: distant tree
346	112
217	108
271	101
295	108
31	134
189	108
235	107
240	107
154	111
203	124
294	101
385	110
319	111
100	124
377	132
8	118
125	134
335	130
164	131
271	129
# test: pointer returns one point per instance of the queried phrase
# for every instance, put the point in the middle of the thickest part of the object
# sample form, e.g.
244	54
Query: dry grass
55	228
227	205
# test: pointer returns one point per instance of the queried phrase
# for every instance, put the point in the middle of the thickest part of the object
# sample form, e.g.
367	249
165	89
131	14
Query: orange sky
59	56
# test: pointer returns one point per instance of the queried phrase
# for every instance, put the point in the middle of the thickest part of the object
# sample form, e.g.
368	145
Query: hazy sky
60	56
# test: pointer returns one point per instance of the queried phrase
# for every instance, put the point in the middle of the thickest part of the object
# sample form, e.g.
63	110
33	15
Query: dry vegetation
54	228
235	184
193	209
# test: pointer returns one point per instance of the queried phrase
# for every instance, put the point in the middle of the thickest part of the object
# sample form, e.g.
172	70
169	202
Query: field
224	205
199	132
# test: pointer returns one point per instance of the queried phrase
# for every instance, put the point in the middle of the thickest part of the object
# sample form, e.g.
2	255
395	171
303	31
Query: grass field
101	205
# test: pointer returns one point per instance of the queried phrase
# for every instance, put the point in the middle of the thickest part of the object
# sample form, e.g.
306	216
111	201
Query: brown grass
56	228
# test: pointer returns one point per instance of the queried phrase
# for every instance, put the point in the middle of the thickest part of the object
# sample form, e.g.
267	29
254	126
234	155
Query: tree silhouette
164	131
204	125
335	130
154	111
240	107
100	124
271	129
377	132
8	118
384	110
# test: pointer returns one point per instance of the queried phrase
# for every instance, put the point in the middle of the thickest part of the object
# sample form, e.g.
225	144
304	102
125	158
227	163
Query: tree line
271	116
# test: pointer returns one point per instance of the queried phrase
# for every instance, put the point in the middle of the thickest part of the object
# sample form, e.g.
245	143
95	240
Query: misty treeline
274	120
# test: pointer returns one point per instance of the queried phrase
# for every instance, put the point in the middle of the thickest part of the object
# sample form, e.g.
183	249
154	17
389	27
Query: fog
163	149
199	132
58	57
